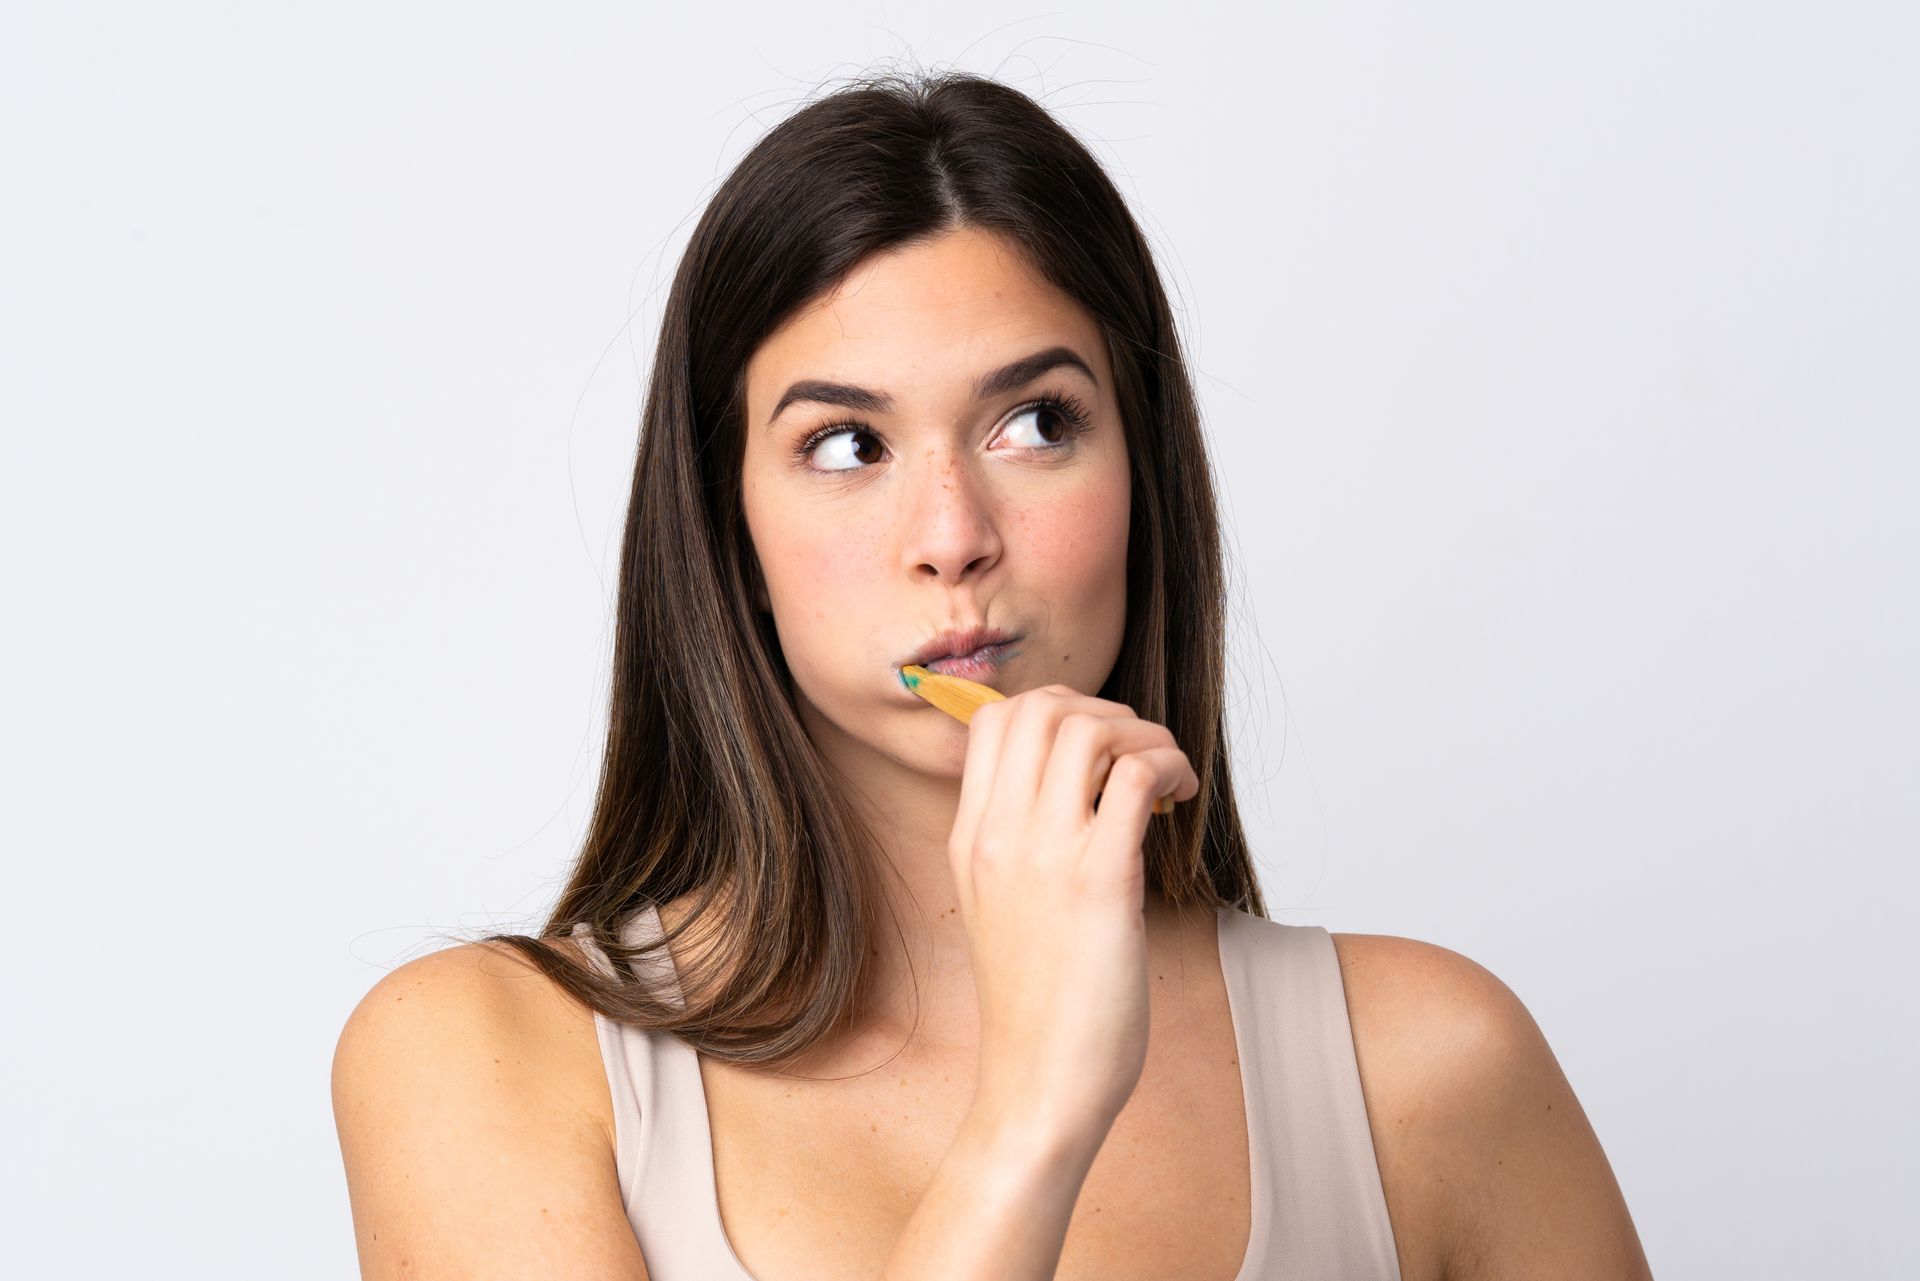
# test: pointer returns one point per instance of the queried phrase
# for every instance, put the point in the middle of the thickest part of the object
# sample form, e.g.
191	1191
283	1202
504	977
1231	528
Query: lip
961	643
981	665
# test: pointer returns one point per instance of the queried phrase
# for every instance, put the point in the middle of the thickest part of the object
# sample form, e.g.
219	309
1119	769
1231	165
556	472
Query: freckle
874	1128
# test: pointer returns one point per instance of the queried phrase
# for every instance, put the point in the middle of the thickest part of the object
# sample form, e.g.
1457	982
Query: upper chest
819	1177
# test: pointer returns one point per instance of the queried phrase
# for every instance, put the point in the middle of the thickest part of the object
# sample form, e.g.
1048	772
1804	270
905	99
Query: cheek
816	568
1078	543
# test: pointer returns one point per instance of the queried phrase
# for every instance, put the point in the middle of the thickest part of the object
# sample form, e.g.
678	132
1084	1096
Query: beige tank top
1319	1211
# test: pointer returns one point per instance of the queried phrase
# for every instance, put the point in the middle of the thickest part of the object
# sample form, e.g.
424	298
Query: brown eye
823	459
1055	424
1054	421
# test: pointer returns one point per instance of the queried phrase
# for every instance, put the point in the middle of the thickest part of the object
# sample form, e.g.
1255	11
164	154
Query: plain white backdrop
1558	363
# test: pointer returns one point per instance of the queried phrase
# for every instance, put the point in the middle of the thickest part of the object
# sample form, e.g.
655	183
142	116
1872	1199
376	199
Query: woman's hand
1052	893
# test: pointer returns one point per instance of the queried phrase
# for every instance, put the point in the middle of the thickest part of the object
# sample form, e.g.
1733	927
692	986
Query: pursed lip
959	640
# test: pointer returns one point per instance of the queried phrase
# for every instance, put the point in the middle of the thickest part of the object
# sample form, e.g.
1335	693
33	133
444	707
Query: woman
918	393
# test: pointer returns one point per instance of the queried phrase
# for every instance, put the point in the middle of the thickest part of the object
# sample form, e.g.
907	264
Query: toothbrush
961	698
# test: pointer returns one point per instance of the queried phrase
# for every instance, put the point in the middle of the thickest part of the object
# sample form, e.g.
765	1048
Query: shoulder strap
1315	1168
639	928
662	1149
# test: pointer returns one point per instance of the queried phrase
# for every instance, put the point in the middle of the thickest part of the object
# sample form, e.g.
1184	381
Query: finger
1084	749
1126	805
1034	717
986	731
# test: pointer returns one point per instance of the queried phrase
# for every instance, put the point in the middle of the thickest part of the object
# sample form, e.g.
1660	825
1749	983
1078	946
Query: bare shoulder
1490	1166
476	1125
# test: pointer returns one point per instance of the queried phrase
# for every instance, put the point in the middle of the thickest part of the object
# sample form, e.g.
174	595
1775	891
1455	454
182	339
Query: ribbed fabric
1319	1211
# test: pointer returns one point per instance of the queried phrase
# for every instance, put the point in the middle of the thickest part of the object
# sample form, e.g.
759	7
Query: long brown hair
706	784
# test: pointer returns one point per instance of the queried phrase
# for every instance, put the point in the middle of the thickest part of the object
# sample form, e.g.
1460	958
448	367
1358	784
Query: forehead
924	319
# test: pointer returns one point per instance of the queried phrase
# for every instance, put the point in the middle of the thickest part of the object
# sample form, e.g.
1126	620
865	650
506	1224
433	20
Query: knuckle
1134	771
1040	707
1054	697
991	849
1022	704
1082	725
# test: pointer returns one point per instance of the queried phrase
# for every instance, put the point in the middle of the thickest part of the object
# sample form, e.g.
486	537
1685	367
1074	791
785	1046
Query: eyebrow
996	382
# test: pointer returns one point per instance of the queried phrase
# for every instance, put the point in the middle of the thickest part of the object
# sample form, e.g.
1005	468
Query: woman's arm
475	1144
999	1203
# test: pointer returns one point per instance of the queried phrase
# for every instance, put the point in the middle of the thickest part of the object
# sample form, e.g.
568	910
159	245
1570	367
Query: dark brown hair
707	784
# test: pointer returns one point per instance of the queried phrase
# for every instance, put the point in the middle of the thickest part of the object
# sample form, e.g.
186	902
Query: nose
950	531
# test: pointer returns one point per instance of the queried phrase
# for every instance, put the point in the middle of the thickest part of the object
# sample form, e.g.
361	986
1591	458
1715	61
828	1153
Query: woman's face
916	504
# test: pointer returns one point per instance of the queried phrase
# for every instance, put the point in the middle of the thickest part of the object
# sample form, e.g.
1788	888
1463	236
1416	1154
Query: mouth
972	653
979	665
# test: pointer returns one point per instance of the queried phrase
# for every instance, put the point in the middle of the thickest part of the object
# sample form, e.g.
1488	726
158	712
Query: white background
1559	368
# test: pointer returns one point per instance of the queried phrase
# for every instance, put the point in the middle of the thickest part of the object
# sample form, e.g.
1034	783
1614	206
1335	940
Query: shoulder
477	1014
459	999
1480	1137
475	1122
1417	1003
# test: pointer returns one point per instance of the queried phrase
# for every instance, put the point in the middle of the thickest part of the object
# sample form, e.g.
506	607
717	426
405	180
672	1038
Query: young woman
842	987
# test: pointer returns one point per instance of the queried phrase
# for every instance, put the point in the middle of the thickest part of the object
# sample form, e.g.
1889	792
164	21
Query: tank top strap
641	927
1317	1173
663	1153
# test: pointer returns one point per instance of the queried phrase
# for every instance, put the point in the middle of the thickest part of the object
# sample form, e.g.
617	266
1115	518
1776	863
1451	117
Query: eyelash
1070	407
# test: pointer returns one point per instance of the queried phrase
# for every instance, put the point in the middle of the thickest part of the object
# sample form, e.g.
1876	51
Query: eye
824	458
1063	416
1057	420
